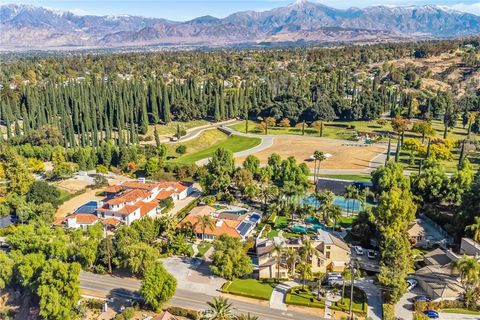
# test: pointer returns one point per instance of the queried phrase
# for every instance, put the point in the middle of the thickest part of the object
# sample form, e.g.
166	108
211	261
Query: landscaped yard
303	297
232	143
203	248
281	223
359	302
250	288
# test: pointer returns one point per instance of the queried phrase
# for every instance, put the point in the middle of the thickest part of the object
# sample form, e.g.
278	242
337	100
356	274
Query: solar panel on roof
243	228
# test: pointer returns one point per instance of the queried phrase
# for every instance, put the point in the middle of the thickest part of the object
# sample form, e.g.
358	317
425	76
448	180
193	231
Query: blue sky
181	10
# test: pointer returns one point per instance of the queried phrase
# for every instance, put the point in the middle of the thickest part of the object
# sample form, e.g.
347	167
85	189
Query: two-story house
331	254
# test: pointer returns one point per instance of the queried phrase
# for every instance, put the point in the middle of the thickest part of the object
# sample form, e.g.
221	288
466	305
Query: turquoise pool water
314	225
351	205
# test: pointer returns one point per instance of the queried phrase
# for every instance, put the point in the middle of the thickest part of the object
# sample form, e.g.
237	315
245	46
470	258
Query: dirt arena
344	155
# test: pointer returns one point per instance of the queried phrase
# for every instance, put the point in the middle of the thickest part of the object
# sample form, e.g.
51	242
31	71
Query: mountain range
31	27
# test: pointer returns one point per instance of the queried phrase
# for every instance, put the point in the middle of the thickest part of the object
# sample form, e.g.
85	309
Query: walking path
195	132
277	299
266	142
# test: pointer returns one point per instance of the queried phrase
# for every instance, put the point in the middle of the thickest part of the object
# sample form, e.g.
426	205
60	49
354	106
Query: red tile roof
111	221
146	207
84	218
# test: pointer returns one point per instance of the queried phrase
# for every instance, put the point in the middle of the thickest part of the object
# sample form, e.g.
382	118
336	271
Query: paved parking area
193	274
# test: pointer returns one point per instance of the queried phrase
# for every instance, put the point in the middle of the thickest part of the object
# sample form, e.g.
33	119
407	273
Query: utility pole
352	267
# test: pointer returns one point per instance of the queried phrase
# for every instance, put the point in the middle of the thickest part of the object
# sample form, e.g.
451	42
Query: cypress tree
399	149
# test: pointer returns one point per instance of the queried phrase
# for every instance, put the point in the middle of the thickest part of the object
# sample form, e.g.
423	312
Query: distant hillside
30	27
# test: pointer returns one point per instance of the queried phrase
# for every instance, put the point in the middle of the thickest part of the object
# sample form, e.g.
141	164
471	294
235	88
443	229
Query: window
328	247
328	255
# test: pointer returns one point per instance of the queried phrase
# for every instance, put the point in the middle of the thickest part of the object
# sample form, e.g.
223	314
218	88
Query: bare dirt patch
72	185
344	156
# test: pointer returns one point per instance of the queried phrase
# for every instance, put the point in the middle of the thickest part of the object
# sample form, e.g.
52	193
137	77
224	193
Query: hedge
182	312
388	311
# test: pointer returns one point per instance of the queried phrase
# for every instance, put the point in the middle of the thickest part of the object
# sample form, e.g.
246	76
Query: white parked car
412	283
358	250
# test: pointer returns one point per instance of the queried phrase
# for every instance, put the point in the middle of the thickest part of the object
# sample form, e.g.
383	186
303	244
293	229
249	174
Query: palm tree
246	317
317	156
469	269
475	229
308	250
205	222
278	249
221	309
326	203
335	213
292	257
305	270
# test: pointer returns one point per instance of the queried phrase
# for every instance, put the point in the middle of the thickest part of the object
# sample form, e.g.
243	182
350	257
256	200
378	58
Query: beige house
438	278
332	254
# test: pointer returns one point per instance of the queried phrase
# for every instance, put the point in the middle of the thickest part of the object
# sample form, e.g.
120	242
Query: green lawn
305	298
250	288
233	143
203	248
461	311
347	222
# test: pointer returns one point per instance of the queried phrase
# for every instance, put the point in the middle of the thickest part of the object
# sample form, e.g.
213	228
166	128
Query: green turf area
64	195
250	288
461	311
352	177
232	143
347	222
303	297
281	222
203	248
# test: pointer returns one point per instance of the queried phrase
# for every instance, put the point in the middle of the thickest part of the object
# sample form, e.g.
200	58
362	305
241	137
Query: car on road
358	250
432	314
371	254
421	299
412	283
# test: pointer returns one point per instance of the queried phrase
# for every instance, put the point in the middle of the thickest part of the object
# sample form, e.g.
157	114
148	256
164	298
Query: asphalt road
110	286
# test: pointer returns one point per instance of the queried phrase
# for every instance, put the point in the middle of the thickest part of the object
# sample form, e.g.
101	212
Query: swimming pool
313	226
344	204
239	212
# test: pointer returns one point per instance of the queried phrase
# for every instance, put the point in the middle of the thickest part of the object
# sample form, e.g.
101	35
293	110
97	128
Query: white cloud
470	7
